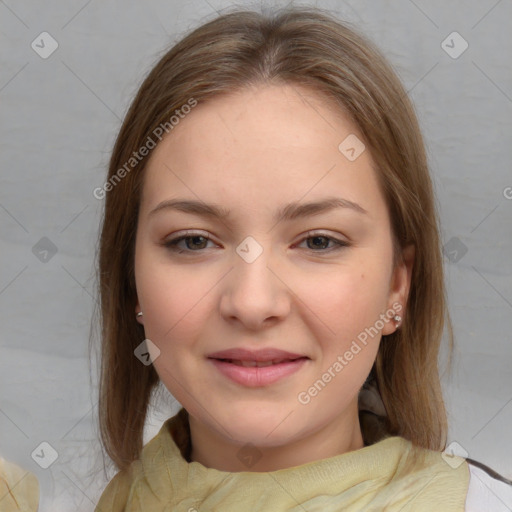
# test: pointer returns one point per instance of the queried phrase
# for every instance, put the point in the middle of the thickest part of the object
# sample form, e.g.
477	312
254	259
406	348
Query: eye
321	241
194	242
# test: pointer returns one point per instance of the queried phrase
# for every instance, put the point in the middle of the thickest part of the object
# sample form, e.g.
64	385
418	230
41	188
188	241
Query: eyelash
172	244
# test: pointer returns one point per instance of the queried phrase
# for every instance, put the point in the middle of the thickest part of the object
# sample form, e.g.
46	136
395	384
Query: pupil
194	238
320	238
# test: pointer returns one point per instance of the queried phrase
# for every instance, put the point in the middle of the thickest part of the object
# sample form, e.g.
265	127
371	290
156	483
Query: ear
138	309
399	287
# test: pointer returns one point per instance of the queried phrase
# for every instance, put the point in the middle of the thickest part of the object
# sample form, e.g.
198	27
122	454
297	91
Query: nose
254	292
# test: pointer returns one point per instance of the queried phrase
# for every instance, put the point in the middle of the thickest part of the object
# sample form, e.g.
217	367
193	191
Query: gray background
59	119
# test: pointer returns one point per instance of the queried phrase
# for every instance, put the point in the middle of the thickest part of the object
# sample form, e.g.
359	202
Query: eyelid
320	232
188	233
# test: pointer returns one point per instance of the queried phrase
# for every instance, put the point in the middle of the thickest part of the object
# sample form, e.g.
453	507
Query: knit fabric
373	478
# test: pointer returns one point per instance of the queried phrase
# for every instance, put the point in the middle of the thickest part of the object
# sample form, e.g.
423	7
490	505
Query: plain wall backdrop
60	113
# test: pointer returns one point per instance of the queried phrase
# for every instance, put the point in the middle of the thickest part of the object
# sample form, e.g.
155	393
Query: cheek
343	301
176	302
174	320
167	303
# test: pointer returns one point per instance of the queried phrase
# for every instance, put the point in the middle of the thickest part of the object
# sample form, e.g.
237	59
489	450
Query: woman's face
314	281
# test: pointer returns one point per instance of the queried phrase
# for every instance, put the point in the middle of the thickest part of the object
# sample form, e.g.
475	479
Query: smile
258	373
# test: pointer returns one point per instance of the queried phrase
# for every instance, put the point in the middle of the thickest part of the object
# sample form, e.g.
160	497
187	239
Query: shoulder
487	490
125	485
115	495
19	489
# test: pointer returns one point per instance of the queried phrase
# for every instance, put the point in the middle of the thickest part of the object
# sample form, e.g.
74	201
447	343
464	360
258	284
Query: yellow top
373	478
19	489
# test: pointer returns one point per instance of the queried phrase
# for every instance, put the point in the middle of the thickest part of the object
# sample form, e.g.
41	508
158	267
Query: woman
270	252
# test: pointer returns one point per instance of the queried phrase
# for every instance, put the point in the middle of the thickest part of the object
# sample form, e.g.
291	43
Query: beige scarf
19	489
385	476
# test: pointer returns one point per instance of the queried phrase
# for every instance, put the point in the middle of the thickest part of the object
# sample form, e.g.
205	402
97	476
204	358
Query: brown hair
303	46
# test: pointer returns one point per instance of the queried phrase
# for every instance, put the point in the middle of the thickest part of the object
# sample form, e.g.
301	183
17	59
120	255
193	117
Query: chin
269	430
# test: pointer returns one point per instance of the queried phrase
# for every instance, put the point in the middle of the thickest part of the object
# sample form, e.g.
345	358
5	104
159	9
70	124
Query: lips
245	357
259	364
257	368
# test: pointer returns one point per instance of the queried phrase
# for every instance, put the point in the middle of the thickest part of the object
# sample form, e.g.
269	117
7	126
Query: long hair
300	46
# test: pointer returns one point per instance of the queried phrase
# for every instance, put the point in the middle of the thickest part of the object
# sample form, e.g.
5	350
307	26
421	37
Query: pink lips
239	365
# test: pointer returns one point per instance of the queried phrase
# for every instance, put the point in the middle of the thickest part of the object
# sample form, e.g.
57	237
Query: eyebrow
289	212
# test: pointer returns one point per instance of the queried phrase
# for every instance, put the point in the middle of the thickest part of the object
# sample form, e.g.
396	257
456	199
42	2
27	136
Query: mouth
258	364
268	355
257	370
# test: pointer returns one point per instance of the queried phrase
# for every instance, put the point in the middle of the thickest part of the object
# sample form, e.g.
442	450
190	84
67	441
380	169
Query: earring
397	319
139	314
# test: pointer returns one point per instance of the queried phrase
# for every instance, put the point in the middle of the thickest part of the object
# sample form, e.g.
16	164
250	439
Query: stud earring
397	319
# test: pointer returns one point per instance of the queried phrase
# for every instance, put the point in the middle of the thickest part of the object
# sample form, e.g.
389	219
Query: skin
254	152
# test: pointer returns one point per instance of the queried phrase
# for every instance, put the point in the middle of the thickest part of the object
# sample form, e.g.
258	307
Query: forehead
263	144
281	116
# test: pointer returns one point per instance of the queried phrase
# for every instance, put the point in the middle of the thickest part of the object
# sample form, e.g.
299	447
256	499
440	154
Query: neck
213	450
